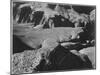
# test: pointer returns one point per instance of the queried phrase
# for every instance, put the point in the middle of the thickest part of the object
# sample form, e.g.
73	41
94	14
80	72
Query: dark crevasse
24	14
15	8
37	16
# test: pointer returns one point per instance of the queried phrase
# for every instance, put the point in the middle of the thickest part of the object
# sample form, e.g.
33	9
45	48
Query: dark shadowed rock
62	59
19	46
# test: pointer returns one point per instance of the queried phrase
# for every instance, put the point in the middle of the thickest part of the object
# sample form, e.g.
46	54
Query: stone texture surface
25	62
59	59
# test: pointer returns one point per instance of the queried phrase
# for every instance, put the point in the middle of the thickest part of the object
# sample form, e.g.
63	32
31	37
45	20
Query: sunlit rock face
90	52
34	38
92	15
52	37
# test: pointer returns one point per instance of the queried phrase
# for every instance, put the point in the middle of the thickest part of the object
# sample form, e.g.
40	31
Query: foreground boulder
59	59
62	59
25	62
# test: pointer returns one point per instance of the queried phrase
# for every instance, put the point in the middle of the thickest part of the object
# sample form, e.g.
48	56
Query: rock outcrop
59	59
52	37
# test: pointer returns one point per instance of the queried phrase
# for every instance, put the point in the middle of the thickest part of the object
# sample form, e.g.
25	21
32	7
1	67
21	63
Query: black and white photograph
52	37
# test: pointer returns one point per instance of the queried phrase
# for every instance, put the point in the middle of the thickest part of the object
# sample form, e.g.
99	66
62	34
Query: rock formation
52	37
